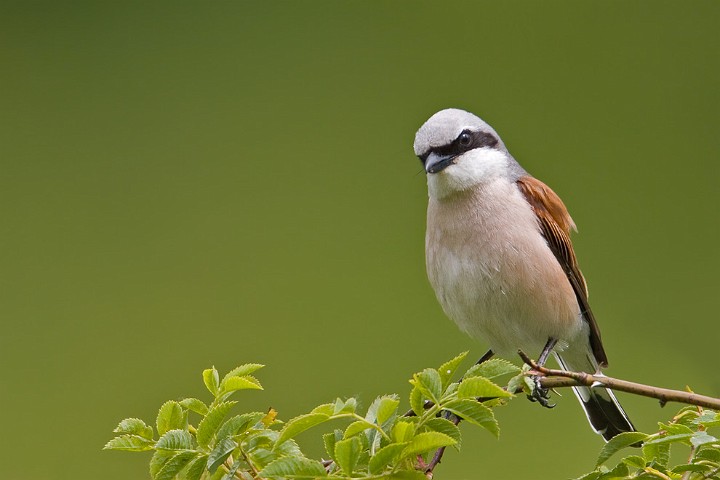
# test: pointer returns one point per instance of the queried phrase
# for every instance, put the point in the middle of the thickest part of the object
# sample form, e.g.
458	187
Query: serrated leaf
211	423
447	427
495	367
174	465
329	440
239	424
175	440
617	443
195	468
195	405
347	406
326	408
702	438
299	424
243	370
429	383
347	453
711	454
357	427
211	378
475	387
220	453
233	384
476	413
620	471
447	370
134	426
158	460
693	467
293	467
382	408
170	417
634	461
425	442
417	403
403	431
386	456
387	408
659	454
675	428
680	437
129	443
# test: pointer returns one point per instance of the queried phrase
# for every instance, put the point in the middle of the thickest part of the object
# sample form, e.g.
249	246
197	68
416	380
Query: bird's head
459	150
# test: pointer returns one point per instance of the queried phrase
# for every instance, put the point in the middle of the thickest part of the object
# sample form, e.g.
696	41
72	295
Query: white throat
469	169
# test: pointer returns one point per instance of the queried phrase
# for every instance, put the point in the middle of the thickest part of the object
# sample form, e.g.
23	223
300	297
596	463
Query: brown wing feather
556	223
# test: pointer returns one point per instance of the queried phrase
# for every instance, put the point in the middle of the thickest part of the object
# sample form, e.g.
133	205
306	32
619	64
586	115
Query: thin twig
665	395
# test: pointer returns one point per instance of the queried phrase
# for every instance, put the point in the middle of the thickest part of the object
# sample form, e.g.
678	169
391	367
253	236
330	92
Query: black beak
436	163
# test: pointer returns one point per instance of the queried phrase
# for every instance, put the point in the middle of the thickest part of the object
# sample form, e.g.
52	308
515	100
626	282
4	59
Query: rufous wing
555	224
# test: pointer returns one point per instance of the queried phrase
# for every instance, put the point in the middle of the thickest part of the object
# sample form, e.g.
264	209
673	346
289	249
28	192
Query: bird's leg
539	394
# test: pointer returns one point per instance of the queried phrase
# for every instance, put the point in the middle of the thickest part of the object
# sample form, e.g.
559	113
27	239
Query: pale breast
493	272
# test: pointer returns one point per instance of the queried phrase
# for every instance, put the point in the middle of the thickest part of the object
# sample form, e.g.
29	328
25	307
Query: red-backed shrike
500	260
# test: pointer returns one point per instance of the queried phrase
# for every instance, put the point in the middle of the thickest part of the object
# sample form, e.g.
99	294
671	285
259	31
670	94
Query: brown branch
551	378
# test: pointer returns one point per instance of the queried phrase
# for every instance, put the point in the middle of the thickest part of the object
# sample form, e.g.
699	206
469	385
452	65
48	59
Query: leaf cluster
379	443
689	430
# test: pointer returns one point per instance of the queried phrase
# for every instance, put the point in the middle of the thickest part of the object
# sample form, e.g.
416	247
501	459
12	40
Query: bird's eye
465	139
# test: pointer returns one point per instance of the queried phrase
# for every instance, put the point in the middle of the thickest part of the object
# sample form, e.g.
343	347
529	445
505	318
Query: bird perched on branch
500	260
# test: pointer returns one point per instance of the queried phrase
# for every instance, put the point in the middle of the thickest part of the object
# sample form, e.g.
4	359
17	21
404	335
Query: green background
195	184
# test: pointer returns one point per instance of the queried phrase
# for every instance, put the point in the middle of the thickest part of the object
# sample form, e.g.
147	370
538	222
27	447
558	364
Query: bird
500	260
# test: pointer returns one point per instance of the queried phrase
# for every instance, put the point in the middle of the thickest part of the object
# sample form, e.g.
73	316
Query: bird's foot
540	394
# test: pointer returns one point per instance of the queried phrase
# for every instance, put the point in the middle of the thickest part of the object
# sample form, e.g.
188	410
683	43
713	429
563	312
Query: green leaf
326	408
702	438
634	461
475	413
619	471
619	442
195	468
694	467
159	458
220	453
386	456
711	454
495	367
429	383
233	384
299	424
417	402
174	465
239	424
387	408
348	406
447	370
175	440
347	453
134	426
447	427
129	443
425	442
195	405
329	440
659	454
680	437
211	380
357	427
475	387
594	475
243	370
170	417
293	467
708	419
403	431
211	423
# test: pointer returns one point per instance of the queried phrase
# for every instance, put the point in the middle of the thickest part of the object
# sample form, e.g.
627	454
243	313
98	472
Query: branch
551	378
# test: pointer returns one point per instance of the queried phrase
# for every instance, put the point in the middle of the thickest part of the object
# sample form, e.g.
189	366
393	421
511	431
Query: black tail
602	409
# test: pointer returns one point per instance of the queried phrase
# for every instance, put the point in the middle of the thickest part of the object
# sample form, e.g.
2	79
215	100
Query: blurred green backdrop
188	184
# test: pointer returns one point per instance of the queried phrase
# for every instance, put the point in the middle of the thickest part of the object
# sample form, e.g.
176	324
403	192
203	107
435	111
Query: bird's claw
540	394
